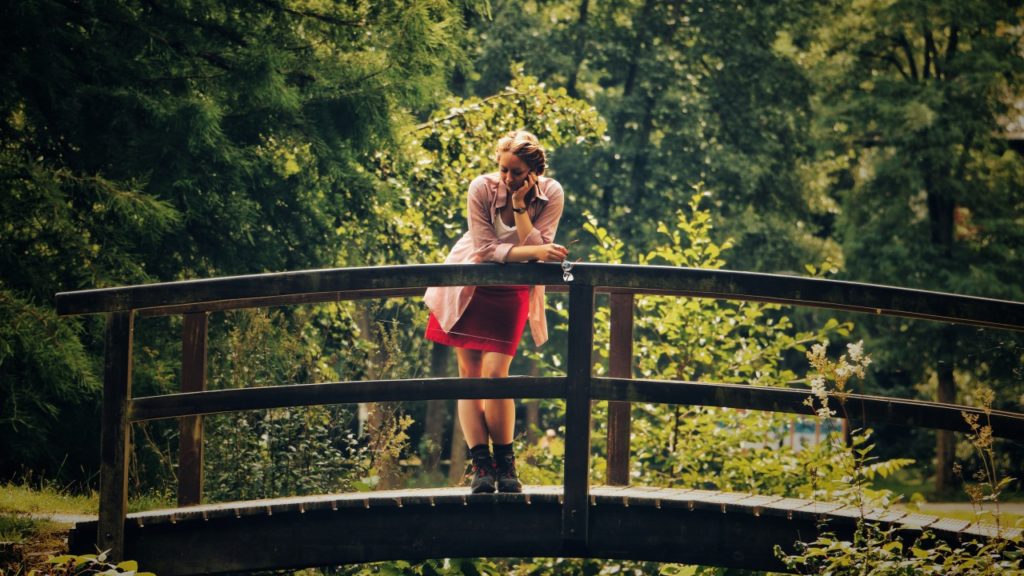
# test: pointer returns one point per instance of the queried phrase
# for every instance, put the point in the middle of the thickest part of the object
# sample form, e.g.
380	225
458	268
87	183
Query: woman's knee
495	365
470	363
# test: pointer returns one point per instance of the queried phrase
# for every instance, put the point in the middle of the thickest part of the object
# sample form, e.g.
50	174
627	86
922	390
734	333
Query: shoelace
481	470
508	470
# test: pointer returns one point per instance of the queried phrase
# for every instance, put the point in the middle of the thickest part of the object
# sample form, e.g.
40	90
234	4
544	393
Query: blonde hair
526	147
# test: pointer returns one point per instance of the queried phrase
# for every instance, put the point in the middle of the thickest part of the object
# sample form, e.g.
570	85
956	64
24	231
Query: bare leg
499	414
471	412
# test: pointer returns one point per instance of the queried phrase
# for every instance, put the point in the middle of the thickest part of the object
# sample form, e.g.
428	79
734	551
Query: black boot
508	480
483	470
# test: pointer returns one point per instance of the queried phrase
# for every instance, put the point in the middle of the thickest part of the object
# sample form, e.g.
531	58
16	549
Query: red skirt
493	321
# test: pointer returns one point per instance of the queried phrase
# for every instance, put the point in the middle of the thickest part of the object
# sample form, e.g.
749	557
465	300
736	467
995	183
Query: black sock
480	453
503	451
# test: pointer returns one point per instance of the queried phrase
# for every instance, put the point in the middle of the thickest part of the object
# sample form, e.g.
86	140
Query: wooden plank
190	428
214	401
704	283
263	289
577	415
620	365
918	521
301	299
820	508
115	438
813	292
285	300
858	407
950	525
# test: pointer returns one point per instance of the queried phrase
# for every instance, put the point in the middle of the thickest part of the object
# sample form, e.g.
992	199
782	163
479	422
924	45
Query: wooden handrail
311	286
238	399
856	407
578	387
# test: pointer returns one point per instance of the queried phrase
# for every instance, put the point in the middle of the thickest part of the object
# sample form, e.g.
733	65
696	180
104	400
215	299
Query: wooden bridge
570	520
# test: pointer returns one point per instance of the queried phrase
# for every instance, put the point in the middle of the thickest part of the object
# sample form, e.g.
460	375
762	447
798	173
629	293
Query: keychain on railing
567	266
567	270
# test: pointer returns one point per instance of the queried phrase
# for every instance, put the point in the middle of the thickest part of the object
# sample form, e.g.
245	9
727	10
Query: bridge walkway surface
731	529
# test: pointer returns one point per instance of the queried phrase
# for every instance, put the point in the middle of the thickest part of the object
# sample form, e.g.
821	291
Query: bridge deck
641	523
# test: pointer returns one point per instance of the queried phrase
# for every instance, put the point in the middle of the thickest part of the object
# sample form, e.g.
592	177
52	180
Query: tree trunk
378	415
941	208
437	411
622	116
945	441
638	180
457	470
532	421
581	44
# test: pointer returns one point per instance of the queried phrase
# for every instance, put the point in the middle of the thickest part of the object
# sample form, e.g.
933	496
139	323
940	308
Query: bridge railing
195	299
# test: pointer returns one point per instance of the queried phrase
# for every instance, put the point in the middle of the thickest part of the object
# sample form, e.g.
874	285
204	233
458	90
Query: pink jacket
480	244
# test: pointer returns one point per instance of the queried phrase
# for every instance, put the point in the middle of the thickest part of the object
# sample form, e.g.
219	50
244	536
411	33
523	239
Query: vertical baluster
620	365
577	416
190	428
115	438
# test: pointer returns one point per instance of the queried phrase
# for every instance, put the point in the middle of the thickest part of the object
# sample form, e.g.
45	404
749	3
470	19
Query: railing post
620	365
190	428
575	522
115	438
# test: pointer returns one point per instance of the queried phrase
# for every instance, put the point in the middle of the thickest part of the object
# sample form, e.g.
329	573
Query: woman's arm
536	236
487	247
545	224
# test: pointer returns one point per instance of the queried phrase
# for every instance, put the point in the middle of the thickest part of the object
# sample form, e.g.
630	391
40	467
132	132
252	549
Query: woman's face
513	170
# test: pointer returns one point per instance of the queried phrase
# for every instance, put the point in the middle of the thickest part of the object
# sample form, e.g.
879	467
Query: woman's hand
519	194
551	252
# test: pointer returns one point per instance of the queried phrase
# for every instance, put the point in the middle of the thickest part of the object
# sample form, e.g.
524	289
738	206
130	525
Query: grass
35	539
21	499
16	529
909	482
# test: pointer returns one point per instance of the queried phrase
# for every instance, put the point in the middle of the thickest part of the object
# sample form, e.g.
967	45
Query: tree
693	92
159	141
910	94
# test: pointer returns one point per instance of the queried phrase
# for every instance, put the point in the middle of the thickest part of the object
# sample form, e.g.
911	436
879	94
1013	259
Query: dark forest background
150	141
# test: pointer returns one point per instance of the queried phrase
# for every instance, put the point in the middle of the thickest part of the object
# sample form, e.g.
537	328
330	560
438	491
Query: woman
513	215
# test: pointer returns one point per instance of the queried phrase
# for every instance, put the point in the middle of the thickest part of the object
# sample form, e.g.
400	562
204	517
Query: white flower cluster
853	363
818	391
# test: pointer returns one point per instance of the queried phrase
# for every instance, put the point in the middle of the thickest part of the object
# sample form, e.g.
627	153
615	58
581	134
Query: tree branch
929	51
280	7
462	111
908	50
892	59
951	47
222	31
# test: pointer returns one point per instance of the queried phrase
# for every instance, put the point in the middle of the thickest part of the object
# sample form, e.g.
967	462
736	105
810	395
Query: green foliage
427	180
16	528
701	340
503	566
70	565
911	99
284	451
877	548
169	141
693	92
879	551
43	368
44	497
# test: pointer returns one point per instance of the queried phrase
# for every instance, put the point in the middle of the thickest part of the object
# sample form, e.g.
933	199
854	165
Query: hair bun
526	147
